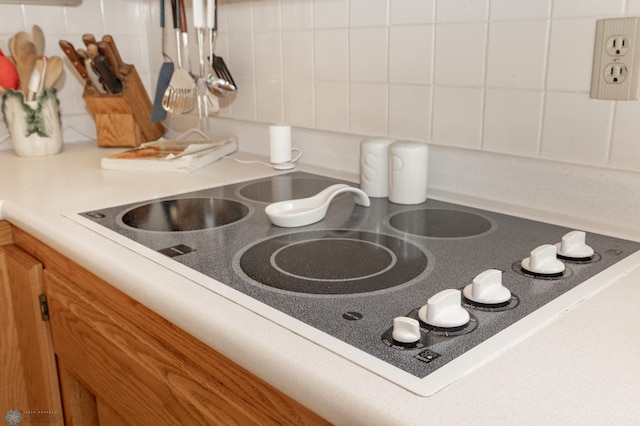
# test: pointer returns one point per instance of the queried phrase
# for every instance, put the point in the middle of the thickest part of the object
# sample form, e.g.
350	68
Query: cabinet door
29	381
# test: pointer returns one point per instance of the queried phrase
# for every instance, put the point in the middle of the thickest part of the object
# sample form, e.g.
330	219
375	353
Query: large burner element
184	214
333	262
440	223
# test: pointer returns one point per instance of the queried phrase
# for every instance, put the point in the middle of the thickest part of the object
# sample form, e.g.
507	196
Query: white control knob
487	288
445	310
406	330
573	246
543	260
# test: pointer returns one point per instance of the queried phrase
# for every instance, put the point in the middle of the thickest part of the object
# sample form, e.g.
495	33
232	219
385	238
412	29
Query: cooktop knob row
406	330
445	310
544	259
573	246
487	288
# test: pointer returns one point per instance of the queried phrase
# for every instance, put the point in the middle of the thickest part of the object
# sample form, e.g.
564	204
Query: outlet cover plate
616	59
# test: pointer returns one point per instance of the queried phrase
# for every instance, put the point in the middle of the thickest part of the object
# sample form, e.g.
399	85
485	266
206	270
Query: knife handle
183	17
88	39
122	67
175	13
71	54
107	76
106	51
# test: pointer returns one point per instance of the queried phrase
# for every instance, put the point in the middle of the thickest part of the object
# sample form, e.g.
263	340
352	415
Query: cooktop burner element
345	281
282	188
184	214
440	223
333	262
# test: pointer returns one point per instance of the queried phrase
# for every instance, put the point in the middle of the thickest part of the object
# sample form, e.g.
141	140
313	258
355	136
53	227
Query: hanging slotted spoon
181	95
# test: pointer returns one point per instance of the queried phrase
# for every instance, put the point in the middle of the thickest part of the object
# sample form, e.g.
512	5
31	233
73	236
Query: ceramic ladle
305	211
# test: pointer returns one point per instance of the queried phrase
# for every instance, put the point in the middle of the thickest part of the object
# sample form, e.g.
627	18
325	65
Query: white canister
408	172
280	147
374	166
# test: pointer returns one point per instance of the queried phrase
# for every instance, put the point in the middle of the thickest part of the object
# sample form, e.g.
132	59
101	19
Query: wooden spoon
54	71
25	56
37	36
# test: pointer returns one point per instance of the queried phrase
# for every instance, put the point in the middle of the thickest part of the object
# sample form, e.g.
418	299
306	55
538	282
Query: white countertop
581	368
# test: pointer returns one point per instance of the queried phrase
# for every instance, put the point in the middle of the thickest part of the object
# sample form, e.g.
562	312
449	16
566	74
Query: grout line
545	83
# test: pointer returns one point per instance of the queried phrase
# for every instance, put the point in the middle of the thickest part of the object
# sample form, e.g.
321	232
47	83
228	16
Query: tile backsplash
506	76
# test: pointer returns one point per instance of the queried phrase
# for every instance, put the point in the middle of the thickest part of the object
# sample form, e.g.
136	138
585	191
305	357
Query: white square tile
49	18
297	14
411	11
368	108
411	54
625	147
268	53
332	105
87	17
512	121
457	116
368	60
235	16
594	8
269	101
462	10
298	102
633	7
266	15
517	54
123	17
331	51
330	14
11	21
571	54
410	112
239	55
243	106
576	128
297	52
520	9
367	13
460	54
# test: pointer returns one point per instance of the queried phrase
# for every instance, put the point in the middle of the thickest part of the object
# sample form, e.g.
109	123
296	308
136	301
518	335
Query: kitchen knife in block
107	76
124	119
121	67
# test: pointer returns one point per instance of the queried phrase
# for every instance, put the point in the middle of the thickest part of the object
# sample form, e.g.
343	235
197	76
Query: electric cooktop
418	294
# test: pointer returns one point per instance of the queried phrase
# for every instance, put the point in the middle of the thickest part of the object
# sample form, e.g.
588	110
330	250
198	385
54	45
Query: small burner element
440	223
184	214
281	188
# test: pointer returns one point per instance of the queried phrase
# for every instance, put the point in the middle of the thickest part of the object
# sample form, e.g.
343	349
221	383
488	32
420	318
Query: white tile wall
508	76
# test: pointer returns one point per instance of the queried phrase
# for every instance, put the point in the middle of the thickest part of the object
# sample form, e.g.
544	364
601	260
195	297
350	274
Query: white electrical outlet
616	59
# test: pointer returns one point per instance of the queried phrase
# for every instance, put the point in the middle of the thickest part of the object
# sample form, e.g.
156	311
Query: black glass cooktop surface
343	280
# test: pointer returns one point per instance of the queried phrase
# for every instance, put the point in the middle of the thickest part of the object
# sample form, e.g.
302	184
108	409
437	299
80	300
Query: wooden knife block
123	119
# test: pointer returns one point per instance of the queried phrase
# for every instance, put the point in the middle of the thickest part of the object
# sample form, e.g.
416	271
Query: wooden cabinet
29	380
120	363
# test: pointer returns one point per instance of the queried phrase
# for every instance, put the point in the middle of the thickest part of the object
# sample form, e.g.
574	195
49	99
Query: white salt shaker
408	172
374	166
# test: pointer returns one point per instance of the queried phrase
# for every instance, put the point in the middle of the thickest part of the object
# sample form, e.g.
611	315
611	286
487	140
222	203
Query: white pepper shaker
408	172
